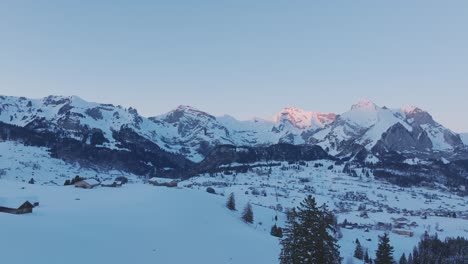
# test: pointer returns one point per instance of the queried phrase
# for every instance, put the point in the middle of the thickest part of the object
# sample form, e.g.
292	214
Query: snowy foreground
133	224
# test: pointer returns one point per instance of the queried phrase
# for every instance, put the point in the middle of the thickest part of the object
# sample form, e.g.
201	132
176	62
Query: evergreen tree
403	259
247	215
276	231
384	253
410	259
231	202
415	256
308	236
366	257
358	252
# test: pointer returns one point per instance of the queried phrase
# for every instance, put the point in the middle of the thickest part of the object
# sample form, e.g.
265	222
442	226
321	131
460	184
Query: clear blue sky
245	58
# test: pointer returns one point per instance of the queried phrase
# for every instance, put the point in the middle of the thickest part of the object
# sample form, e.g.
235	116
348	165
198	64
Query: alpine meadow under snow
379	170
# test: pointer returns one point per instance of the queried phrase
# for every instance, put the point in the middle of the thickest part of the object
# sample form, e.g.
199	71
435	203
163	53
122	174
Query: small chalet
16	206
163	182
87	184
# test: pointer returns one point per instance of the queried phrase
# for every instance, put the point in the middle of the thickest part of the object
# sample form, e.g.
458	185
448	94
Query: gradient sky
245	58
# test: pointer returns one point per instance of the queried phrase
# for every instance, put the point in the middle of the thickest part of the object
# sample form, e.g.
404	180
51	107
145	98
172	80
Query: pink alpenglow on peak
411	109
304	119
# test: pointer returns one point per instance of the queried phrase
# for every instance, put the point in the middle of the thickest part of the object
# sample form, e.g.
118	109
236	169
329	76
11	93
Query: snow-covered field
134	224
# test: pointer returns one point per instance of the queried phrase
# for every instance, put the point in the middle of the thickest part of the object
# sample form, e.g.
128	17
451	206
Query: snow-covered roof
15	202
91	181
108	182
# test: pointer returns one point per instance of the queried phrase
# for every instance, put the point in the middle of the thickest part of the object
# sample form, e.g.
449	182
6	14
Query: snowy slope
141	223
22	163
464	137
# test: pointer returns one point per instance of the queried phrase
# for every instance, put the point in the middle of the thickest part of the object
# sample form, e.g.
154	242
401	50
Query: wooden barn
16	207
87	184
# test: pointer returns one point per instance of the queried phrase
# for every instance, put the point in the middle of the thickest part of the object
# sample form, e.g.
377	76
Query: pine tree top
384	254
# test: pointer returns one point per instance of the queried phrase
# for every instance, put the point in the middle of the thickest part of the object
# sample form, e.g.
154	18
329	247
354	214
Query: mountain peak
185	111
303	119
290	111
186	108
418	116
411	109
364	104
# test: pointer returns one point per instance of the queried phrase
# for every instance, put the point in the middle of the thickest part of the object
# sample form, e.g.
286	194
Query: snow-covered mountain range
409	130
100	135
192	132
